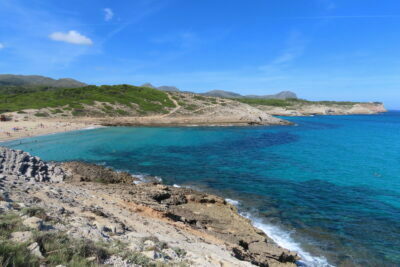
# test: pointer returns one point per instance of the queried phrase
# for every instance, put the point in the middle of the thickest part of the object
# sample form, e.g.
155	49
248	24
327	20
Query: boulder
34	248
34	223
152	254
21	237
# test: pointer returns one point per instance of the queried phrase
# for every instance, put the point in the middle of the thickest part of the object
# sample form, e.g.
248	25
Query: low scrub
146	99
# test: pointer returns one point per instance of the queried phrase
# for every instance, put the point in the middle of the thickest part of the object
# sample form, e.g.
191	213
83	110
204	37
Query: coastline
253	219
209	229
278	236
15	130
21	128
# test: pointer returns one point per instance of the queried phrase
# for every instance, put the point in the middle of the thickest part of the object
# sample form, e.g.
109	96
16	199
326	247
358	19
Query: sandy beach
12	130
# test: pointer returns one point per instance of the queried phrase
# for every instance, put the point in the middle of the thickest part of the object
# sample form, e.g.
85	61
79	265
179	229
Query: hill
228	94
162	88
131	105
222	93
144	100
301	107
36	80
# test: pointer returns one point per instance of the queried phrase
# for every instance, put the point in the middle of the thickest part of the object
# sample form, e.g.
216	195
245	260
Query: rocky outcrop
85	172
207	214
96	204
24	166
308	109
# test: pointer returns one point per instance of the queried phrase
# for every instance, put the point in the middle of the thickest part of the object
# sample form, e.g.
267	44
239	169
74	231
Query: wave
284	239
232	201
91	127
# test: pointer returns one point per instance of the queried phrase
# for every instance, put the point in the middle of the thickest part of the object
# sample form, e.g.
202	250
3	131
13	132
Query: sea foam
284	239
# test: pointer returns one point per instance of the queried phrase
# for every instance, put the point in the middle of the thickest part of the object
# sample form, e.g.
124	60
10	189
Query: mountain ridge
229	94
38	80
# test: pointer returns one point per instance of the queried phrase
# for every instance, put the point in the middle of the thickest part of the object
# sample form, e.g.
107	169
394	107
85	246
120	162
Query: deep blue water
330	185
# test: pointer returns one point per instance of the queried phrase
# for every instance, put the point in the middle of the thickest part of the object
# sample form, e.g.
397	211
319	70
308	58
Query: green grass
41	114
10	222
16	255
60	249
57	111
13	254
265	102
201	98
191	107
147	99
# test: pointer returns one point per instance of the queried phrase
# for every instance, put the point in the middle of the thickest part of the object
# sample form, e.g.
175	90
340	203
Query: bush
41	114
16	255
147	99
58	249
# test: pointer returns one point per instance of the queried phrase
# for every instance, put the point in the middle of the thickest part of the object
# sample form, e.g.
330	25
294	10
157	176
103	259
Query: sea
327	187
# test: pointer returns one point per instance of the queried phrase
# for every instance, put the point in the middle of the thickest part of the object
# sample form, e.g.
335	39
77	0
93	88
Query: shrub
41	114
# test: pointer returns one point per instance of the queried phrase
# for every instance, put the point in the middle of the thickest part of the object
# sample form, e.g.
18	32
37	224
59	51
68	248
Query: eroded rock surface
159	222
25	166
204	213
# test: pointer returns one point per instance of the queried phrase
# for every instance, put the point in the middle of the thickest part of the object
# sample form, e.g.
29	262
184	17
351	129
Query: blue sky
320	49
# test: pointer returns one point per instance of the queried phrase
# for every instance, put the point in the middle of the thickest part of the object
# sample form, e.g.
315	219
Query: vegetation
265	102
147	99
23	89
201	98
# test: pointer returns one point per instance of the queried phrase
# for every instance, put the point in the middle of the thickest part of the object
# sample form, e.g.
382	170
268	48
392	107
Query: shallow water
328	187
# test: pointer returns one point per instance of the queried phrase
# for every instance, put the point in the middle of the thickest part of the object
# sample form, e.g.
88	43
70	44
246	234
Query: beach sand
16	129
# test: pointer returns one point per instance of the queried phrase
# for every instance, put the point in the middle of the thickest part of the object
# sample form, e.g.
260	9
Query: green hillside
146	100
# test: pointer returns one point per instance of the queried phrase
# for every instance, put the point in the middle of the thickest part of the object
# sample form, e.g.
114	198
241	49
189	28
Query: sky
320	49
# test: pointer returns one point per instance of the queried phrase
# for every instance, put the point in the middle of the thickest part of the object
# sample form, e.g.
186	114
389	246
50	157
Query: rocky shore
126	224
309	109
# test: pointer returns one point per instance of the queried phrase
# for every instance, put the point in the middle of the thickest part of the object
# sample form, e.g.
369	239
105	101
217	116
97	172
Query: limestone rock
148	245
34	223
152	254
5	206
21	237
16	163
34	248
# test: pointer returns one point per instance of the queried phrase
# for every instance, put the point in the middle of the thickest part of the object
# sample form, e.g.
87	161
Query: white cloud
1	46
72	37
108	14
295	47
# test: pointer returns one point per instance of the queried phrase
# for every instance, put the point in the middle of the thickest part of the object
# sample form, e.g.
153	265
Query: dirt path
177	107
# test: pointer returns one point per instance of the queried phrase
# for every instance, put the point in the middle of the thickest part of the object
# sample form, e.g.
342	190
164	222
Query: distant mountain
162	88
227	94
280	95
36	80
222	93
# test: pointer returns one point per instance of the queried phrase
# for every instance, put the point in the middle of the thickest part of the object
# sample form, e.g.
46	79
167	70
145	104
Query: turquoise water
328	187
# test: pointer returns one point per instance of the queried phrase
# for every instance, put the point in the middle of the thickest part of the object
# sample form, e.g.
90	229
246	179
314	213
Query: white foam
284	239
92	127
178	186
232	201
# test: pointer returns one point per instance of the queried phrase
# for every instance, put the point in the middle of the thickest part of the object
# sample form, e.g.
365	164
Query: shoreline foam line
283	239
